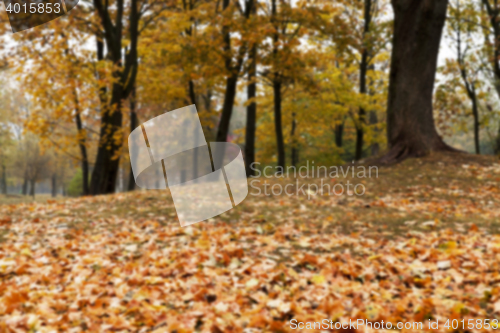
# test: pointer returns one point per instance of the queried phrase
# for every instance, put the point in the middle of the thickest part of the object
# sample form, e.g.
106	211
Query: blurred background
289	81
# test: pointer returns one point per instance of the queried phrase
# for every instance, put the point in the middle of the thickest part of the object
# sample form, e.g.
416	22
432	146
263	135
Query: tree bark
4	178
25	183
339	134
363	70
475	113
493	13
278	126
418	26
251	109
134	122
250	133
32	187
295	148
82	145
54	185
375	147
234	72
469	83
227	108
373	121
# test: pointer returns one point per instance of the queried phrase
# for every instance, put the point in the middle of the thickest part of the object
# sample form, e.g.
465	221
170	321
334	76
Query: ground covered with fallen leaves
421	244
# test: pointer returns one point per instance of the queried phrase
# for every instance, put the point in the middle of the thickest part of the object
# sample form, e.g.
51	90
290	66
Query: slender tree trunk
134	123
363	70
189	32
251	112
62	179
475	113
82	145
278	126
295	148
192	94
232	79
375	147
32	187
373	120
339	133
54	185
497	141
468	83
493	13
227	108
4	178
418	26
207	101
25	184
471	92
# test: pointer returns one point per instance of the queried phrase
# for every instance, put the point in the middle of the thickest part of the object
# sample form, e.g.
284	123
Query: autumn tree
6	140
289	23
113	33
360	36
231	15
371	42
63	115
463	31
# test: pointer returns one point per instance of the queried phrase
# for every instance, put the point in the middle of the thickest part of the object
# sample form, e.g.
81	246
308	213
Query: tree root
404	150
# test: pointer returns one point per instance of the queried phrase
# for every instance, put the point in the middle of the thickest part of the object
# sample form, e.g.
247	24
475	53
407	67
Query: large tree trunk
251	112
363	70
106	166
107	162
418	26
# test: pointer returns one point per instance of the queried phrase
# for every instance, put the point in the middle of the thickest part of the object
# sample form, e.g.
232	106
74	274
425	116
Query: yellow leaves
449	247
318	279
203	242
251	283
26	252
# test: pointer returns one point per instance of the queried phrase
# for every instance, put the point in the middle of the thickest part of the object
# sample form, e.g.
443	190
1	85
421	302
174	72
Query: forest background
290	81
